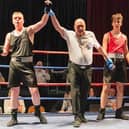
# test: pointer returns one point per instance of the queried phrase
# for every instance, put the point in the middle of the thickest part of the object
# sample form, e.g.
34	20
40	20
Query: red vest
116	45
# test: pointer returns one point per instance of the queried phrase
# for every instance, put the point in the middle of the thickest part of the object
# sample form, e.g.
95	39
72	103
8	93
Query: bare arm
103	49
32	29
126	51
105	41
39	25
104	45
57	25
6	47
126	46
103	52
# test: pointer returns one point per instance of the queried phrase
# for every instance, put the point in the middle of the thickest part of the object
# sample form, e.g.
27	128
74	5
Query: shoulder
90	35
69	31
107	35
8	36
89	32
124	35
29	30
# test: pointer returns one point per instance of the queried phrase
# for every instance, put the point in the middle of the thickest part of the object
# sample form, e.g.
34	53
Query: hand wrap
48	5
51	13
110	64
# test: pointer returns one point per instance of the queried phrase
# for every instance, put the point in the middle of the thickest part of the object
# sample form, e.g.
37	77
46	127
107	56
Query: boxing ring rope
58	84
54	67
66	84
49	52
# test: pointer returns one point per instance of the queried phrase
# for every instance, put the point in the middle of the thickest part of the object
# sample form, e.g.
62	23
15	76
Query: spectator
1	78
111	102
91	92
31	109
67	104
41	74
1	110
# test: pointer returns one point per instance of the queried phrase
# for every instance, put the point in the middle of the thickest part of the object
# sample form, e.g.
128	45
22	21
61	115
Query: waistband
22	59
116	55
81	66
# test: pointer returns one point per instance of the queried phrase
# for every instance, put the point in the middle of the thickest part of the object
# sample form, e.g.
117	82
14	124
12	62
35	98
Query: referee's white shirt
75	52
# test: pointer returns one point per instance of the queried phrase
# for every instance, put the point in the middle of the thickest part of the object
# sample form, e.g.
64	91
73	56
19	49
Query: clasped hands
47	8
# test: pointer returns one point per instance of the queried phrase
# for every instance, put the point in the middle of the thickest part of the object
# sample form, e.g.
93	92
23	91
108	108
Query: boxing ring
62	120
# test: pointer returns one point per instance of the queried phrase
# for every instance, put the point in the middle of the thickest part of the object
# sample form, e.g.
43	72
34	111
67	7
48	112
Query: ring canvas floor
64	121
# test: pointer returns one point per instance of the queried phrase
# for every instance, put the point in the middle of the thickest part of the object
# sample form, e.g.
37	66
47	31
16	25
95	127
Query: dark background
97	14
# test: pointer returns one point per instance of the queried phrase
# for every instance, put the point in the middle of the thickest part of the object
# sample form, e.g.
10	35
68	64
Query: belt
23	59
84	66
81	66
116	55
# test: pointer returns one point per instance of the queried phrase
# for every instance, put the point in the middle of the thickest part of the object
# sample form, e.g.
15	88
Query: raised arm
39	25
56	23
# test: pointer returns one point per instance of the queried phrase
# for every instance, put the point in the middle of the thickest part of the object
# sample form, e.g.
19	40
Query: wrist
51	13
46	10
109	64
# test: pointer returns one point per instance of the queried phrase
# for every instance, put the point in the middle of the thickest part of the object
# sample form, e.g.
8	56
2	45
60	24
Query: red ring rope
66	84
